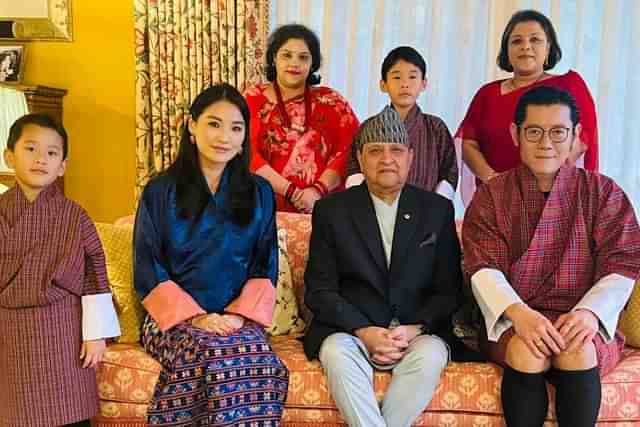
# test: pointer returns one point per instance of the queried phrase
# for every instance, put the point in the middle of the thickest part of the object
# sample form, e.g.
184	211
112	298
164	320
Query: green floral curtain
182	47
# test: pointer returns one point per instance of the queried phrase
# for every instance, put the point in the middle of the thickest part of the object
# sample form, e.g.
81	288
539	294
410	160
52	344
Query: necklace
512	82
283	111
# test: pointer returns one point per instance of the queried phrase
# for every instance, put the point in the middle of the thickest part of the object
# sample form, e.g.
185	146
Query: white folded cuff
494	295
99	319
606	299
446	190
355	179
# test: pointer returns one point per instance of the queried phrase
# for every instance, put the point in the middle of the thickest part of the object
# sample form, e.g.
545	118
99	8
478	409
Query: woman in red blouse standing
300	133
529	48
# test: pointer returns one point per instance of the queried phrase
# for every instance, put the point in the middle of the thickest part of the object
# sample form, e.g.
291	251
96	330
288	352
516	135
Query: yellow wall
97	69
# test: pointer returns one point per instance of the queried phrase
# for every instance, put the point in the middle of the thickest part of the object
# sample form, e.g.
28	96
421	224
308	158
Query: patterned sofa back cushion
117	243
298	228
286	314
630	318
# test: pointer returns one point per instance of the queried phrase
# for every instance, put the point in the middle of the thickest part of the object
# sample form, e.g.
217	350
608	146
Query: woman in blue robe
204	230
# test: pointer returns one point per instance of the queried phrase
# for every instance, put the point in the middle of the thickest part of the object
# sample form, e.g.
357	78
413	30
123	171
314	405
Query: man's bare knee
582	358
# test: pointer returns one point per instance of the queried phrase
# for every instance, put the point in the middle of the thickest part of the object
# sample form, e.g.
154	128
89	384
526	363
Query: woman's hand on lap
214	323
235	320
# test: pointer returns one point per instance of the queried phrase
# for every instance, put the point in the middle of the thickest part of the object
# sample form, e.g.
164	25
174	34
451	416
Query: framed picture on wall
12	63
22	20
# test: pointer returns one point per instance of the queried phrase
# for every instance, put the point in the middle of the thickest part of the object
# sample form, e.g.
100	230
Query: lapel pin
407	216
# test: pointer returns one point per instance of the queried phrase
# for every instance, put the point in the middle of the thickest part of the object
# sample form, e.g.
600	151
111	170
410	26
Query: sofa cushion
122	414
117	244
465	386
471	390
127	374
298	228
468	390
630	319
286	318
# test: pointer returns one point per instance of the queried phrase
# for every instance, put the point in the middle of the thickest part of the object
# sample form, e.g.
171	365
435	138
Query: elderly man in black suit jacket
383	280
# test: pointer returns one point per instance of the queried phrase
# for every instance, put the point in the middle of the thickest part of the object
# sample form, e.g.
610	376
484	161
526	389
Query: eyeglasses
557	134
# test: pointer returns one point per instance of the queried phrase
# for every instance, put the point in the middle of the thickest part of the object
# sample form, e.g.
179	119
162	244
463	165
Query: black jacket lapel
407	220
364	218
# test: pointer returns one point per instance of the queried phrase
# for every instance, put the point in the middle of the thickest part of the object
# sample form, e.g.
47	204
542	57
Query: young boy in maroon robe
553	252
55	304
434	167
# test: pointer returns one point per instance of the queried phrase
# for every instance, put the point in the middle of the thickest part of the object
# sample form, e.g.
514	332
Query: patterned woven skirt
212	380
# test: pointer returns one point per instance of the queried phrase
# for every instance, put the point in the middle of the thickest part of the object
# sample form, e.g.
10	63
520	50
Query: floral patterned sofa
468	394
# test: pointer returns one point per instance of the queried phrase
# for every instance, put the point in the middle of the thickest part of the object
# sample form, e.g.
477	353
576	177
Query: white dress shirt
386	215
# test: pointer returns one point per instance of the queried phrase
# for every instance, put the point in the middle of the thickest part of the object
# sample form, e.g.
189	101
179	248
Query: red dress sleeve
588	120
346	125
255	100
469	128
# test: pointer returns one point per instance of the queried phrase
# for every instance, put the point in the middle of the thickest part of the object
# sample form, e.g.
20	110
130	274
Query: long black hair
283	34
192	190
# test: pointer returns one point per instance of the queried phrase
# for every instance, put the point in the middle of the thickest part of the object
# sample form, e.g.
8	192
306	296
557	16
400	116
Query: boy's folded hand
91	352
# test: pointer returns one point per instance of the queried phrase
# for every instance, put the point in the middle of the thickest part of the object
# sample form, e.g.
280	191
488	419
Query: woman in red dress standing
529	48
300	133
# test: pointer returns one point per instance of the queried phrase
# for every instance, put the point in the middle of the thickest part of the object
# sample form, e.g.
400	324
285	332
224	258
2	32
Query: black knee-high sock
85	423
578	395
524	398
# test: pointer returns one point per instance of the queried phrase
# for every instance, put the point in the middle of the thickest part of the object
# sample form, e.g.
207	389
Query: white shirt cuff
99	319
446	190
355	179
606	299
494	295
